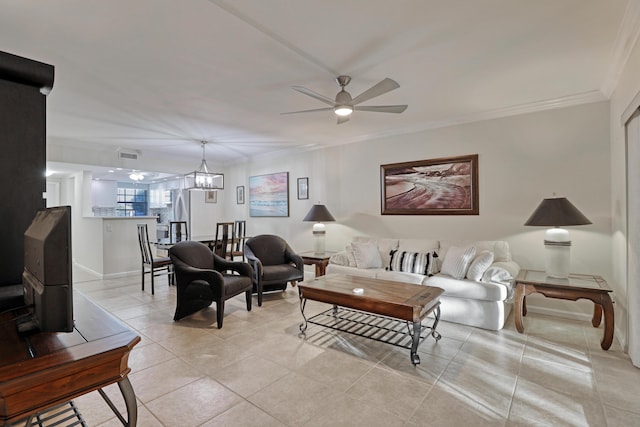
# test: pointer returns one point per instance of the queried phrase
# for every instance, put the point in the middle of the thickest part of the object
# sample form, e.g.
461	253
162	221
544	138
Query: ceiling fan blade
378	89
309	111
343	119
313	94
382	108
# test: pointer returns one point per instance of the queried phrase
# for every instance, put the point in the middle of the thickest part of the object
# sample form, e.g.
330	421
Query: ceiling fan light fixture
344	104
343	110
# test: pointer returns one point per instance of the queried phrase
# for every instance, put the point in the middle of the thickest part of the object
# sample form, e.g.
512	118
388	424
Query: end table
576	286
320	260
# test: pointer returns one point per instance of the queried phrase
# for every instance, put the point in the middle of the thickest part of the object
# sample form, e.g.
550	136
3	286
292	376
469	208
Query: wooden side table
320	260
577	286
49	369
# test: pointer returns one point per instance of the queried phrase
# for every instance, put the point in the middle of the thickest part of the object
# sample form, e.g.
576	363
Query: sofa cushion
469	289
353	271
418	245
411	262
366	255
457	261
500	248
480	263
400	276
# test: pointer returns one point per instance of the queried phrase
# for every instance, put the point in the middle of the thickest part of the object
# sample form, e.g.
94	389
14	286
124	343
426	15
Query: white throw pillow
457	260
366	255
501	272
339	258
350	257
480	263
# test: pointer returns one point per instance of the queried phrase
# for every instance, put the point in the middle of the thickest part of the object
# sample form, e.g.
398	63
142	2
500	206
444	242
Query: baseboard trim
100	276
121	274
88	270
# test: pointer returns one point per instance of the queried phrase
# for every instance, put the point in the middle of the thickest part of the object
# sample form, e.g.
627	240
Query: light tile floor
257	370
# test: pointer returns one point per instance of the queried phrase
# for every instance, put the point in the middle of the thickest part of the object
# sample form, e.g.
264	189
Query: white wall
628	87
522	159
121	249
86	233
204	216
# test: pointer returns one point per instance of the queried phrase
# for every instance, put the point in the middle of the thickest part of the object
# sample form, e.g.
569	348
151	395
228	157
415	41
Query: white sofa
483	302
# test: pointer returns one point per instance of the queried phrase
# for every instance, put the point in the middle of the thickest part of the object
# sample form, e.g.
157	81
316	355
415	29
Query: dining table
166	243
208	239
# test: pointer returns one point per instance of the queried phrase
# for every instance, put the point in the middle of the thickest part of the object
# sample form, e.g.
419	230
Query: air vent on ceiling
128	154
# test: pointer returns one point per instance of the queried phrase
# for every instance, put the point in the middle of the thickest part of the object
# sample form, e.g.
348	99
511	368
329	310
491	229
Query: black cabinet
23	85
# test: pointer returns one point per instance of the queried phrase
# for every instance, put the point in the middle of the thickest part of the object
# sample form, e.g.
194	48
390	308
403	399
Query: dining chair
224	239
178	231
154	266
239	232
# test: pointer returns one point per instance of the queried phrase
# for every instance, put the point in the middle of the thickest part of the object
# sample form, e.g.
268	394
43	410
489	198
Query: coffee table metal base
385	329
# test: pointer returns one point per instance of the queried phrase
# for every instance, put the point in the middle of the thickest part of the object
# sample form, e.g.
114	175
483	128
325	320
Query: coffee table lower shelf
376	327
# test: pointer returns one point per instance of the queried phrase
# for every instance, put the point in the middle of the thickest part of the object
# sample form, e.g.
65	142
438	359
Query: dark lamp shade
557	212
319	213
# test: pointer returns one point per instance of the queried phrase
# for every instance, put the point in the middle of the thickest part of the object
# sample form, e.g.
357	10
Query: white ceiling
160	75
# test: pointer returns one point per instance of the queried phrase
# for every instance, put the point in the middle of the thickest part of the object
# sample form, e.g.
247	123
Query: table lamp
319	214
557	212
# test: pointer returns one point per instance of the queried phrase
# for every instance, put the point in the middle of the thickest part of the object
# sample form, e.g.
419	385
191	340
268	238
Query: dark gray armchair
203	277
274	264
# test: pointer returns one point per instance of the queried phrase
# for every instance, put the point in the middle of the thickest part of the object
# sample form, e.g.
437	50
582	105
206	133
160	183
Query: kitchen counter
113	250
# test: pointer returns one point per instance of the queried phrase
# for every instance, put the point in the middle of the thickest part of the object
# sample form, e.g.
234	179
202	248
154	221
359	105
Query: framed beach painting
446	186
269	195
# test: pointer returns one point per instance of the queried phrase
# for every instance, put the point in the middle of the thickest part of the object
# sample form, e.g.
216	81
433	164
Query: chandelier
202	179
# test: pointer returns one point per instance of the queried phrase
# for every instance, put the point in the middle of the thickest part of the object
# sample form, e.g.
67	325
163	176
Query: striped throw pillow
457	261
411	262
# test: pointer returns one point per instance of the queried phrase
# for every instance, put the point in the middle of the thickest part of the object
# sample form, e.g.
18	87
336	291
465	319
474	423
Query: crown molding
532	107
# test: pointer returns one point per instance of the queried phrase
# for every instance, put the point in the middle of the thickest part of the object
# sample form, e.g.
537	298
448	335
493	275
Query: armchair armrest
255	264
192	273
294	258
220	264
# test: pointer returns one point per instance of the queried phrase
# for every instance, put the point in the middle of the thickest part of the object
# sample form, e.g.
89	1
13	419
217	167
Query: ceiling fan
344	105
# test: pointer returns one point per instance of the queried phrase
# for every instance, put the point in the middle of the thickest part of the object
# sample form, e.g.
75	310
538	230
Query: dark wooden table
575	287
49	369
397	300
320	260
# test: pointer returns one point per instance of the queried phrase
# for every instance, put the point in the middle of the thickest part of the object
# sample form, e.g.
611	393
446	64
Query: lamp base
557	253
318	238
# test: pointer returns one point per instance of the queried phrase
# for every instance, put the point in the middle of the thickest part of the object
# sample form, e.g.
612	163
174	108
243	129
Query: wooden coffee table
576	286
391	305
